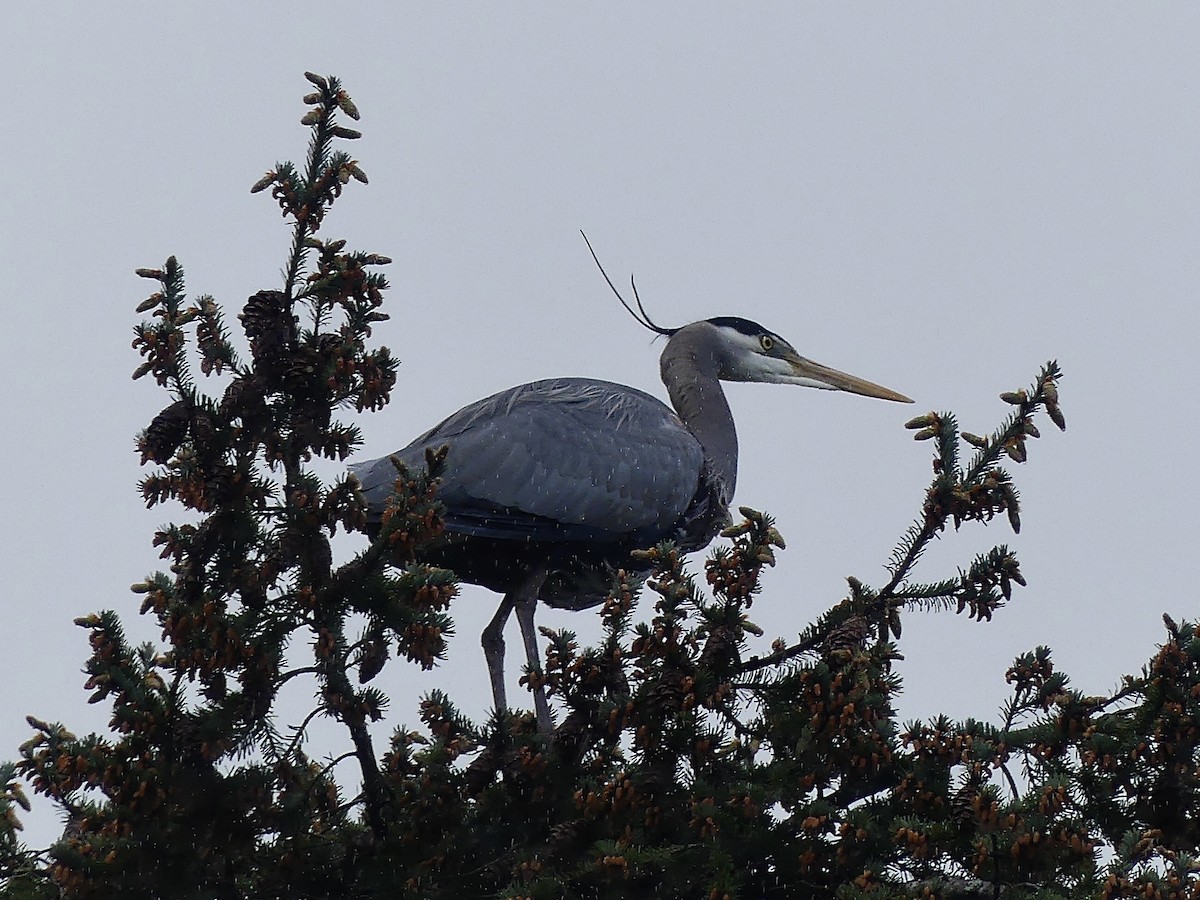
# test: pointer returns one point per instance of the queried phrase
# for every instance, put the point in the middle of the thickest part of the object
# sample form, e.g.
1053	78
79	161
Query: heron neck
689	367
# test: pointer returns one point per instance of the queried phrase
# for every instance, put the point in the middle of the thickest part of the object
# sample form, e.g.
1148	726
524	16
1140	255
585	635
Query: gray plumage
572	470
549	484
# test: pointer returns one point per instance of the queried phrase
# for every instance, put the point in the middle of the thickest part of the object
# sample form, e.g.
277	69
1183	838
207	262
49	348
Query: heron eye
767	342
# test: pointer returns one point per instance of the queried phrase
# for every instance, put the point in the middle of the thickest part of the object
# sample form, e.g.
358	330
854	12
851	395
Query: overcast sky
936	197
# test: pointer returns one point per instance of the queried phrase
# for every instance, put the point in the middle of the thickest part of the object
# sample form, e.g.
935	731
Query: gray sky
937	197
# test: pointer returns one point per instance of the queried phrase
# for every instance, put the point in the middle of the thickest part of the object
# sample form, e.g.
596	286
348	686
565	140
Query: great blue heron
548	484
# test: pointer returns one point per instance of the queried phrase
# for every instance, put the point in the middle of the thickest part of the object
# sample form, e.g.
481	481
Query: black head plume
640	315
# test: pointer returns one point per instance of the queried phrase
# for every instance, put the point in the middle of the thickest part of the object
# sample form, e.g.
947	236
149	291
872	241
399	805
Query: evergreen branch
306	200
341	701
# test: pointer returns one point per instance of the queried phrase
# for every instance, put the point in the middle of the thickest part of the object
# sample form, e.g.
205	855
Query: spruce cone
269	326
720	650
847	637
166	432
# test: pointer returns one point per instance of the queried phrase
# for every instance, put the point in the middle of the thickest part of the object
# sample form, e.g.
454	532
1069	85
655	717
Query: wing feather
561	459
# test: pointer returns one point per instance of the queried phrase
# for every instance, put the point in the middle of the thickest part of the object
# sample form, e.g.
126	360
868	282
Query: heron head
750	352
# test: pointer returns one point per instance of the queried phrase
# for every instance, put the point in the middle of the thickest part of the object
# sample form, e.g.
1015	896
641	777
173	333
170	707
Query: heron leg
493	649
526	603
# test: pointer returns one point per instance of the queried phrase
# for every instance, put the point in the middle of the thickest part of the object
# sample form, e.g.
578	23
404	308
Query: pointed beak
813	374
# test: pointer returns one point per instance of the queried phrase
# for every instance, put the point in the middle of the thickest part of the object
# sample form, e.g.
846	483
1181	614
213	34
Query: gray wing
561	459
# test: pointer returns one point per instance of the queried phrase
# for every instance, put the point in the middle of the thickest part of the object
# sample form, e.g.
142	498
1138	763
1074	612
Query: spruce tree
689	760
